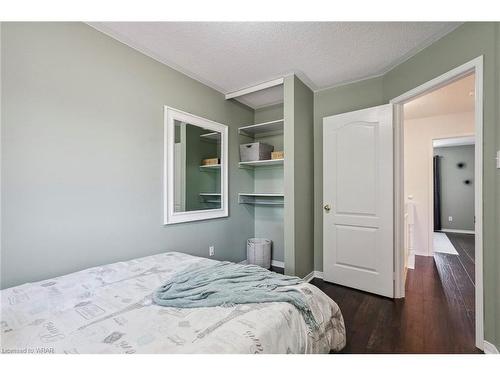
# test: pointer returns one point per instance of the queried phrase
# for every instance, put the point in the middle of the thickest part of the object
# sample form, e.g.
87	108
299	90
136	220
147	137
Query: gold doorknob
327	208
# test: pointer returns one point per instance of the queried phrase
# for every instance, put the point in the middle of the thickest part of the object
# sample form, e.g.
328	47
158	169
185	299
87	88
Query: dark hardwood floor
437	315
457	273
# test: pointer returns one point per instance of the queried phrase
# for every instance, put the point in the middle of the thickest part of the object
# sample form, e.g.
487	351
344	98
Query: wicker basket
212	161
277	155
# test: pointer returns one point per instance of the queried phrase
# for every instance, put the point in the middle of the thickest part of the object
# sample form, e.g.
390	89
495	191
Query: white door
358	248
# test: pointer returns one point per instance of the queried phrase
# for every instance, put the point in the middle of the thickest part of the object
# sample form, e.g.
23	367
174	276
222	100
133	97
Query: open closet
280	192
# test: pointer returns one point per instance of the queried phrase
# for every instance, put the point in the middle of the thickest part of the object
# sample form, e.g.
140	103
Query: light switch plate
498	159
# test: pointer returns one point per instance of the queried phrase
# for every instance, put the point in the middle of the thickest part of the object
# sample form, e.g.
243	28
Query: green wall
82	154
270	113
288	174
463	44
299	177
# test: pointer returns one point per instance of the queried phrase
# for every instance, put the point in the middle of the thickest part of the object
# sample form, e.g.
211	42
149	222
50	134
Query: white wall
419	134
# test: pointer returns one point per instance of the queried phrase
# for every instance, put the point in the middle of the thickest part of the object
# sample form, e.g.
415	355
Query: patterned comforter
109	309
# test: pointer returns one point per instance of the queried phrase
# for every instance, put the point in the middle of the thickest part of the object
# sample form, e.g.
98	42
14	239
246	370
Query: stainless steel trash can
259	252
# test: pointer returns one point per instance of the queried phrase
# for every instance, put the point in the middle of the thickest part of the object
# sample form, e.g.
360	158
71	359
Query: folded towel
226	283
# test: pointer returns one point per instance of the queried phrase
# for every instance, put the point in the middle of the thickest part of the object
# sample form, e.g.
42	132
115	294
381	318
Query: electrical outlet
211	251
450	218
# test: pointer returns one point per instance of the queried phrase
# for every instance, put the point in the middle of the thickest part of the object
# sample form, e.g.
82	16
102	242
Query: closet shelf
210	167
265	127
261	163
265	199
262	194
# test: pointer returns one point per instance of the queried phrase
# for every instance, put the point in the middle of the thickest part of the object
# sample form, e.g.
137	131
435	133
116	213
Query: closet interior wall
269	219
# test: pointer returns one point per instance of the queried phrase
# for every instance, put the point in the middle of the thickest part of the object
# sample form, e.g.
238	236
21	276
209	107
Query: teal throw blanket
226	283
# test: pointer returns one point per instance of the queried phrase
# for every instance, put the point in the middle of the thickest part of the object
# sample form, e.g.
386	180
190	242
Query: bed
109	309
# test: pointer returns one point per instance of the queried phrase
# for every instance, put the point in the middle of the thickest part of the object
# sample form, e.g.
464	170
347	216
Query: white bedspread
108	309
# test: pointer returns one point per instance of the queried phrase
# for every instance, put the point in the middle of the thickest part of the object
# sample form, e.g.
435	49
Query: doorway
359	167
417	246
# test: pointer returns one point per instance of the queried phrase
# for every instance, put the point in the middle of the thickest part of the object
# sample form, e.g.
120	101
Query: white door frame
473	66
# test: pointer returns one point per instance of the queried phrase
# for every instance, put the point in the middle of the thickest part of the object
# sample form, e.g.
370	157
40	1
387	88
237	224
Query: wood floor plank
464	286
411	323
464	244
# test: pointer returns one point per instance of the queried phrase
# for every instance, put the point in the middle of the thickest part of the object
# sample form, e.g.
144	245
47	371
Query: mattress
109	309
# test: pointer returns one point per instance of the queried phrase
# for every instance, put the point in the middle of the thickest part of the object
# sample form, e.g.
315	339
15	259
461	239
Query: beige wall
419	134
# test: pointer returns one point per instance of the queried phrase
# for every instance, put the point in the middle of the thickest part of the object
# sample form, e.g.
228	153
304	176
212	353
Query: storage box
212	161
255	151
277	155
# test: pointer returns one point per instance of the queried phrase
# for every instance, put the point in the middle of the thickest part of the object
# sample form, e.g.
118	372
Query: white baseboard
309	276
411	261
458	231
489	348
277	263
313	275
319	274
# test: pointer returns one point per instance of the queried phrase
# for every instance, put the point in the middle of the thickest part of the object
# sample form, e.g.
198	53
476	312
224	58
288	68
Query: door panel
356	247
358	188
355	170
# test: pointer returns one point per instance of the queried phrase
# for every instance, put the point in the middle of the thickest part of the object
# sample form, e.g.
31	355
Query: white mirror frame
169	214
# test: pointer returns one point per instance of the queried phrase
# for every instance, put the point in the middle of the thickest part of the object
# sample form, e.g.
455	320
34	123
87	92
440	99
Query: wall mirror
195	180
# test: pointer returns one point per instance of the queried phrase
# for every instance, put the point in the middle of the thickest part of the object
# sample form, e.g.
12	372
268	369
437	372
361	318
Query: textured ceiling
457	97
229	56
